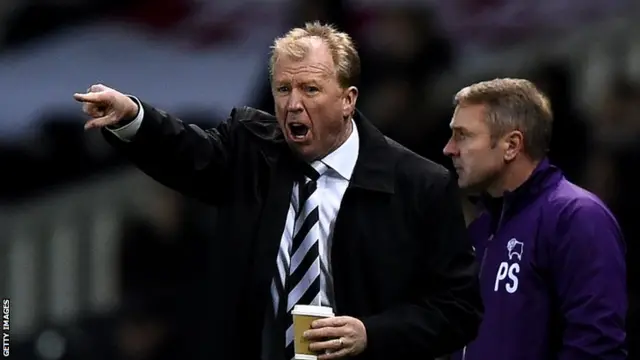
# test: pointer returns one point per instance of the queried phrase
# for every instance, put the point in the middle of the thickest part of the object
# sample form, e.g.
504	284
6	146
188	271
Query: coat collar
543	176
343	160
375	167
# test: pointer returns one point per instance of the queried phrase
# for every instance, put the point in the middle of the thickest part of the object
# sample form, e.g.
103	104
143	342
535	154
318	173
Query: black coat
401	259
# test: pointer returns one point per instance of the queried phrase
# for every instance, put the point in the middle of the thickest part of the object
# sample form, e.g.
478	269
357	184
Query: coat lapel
373	178
375	167
272	221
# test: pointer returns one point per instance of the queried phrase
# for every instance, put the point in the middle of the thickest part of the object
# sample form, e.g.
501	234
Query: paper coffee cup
303	316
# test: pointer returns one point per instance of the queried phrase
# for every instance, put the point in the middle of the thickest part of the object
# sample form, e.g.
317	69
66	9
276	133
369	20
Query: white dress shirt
332	186
128	132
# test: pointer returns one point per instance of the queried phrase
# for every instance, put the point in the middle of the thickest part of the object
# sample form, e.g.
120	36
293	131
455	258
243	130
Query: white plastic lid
312	310
305	357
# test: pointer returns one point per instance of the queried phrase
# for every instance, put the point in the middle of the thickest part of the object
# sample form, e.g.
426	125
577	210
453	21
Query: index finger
330	322
89	97
324	333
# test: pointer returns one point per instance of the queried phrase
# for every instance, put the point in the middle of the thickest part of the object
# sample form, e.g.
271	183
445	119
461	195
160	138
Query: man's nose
295	102
450	149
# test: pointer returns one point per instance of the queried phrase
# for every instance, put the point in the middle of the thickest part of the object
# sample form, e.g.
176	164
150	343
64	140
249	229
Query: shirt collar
343	159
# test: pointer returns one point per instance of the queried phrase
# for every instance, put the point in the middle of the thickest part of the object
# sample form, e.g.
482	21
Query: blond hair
513	104
342	48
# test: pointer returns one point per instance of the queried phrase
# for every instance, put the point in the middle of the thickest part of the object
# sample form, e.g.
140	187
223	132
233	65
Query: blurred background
100	262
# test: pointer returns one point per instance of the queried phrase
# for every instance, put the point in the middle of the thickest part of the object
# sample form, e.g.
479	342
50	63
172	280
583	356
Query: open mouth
298	131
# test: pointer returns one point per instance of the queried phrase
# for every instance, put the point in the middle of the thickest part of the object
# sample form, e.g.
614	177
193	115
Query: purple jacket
553	275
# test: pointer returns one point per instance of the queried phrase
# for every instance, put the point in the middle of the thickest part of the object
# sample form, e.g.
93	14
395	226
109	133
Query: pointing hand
106	106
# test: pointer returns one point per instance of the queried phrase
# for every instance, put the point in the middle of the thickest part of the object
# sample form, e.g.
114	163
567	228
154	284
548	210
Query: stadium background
100	262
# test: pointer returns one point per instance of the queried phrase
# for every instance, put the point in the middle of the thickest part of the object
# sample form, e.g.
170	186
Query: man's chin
303	151
469	188
462	183
464	188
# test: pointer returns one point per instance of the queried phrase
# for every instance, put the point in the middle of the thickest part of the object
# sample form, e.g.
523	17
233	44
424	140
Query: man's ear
514	144
349	102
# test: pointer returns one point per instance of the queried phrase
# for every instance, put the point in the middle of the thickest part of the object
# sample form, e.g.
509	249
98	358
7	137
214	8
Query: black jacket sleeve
447	313
184	157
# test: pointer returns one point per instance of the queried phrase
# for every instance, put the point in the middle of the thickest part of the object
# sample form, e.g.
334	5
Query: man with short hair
552	255
316	207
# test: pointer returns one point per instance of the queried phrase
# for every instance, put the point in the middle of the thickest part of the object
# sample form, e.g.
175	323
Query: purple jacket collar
543	176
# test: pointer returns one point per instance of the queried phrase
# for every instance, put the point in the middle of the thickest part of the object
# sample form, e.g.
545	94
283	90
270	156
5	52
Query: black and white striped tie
300	255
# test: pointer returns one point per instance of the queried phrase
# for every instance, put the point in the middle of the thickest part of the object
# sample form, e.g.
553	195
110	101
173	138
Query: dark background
100	262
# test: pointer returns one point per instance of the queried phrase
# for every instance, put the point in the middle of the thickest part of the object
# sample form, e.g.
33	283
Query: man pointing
316	206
